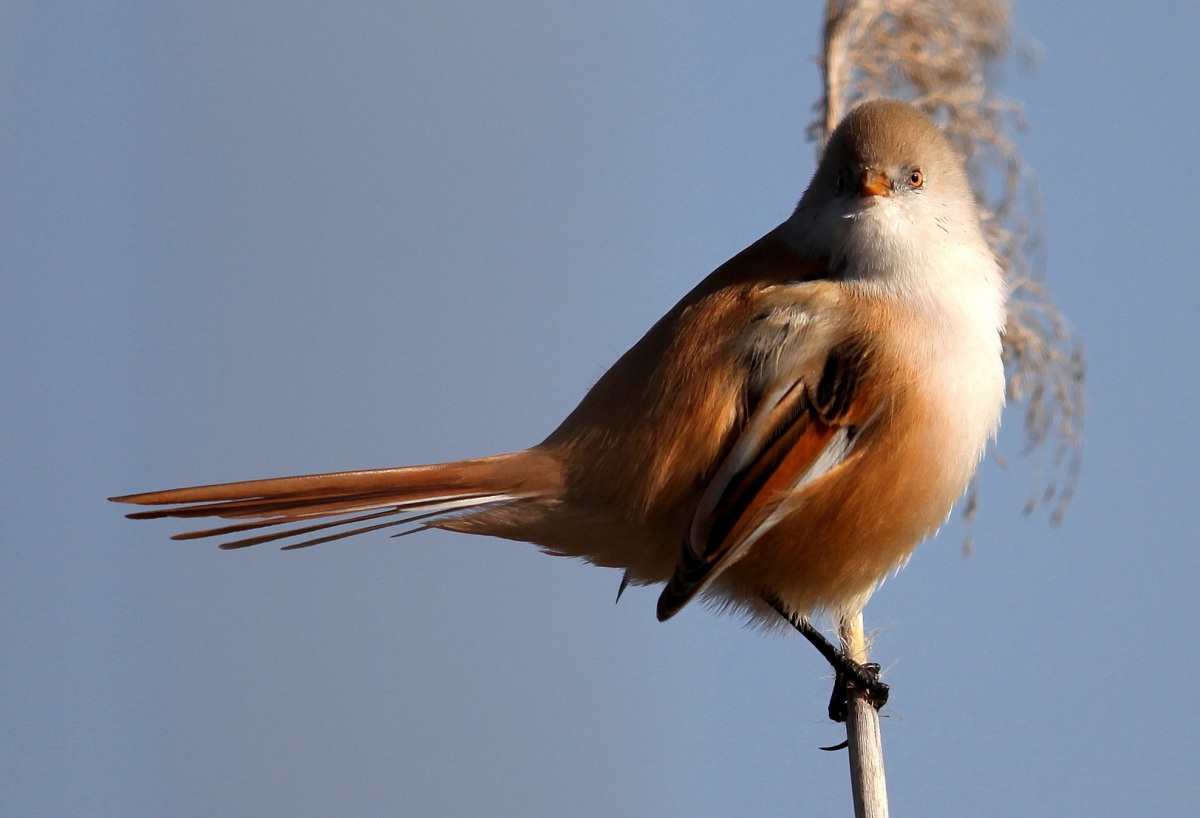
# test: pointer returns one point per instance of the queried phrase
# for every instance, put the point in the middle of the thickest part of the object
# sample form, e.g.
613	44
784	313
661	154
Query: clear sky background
247	239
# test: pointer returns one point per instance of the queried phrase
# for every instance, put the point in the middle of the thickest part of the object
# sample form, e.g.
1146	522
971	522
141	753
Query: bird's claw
854	679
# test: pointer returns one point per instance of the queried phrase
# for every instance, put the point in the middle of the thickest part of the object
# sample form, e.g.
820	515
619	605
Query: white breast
953	314
926	261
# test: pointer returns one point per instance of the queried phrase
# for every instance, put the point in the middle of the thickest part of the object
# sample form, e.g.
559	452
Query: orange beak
874	183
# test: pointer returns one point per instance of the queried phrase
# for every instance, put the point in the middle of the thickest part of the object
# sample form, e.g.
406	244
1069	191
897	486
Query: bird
777	444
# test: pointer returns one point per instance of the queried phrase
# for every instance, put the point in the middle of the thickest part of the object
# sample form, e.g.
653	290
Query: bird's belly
859	523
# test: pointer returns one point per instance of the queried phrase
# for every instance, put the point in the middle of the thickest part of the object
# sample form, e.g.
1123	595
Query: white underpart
925	252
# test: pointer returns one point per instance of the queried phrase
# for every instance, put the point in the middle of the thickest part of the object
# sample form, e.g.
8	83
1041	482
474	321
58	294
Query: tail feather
274	536
413	492
289	506
256	540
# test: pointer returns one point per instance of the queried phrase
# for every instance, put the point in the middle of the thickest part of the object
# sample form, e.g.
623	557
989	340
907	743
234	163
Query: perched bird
778	442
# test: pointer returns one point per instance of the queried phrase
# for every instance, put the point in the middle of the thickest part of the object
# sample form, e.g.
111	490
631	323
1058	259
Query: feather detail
416	492
796	435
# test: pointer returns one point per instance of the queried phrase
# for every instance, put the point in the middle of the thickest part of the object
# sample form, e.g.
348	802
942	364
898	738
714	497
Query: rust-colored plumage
789	431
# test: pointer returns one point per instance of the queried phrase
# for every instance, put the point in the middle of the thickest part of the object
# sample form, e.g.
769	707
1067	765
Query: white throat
916	249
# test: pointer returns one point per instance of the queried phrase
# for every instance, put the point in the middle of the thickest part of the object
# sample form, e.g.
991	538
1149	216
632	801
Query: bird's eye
916	179
841	183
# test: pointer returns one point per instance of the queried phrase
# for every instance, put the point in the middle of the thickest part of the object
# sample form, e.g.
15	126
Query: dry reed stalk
941	56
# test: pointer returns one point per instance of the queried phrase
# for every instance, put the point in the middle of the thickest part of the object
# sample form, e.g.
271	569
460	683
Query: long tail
416	493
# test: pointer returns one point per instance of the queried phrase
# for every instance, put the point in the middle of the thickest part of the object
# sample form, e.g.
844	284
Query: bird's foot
853	679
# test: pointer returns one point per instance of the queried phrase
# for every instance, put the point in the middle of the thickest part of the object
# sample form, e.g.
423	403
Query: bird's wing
798	428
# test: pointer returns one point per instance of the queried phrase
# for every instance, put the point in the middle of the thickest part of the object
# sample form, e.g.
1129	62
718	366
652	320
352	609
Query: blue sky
255	239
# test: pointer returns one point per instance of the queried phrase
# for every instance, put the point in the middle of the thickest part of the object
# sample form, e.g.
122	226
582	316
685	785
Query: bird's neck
940	267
